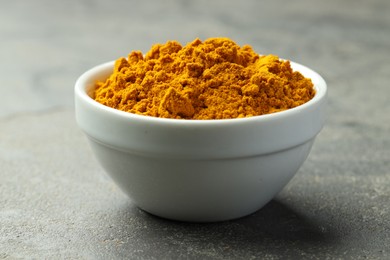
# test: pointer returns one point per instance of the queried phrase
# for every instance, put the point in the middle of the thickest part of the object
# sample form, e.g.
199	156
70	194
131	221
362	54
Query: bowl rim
84	84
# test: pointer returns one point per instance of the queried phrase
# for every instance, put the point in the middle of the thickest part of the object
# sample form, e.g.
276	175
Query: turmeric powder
214	79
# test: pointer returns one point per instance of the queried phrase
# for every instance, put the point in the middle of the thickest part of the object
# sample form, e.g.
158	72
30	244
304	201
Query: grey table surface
56	201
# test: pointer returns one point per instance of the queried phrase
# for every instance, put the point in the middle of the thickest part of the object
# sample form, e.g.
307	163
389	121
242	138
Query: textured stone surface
56	202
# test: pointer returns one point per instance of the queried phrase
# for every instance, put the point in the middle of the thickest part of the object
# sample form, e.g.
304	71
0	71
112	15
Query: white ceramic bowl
199	170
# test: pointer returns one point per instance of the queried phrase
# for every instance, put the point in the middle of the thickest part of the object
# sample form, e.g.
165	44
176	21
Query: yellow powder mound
214	79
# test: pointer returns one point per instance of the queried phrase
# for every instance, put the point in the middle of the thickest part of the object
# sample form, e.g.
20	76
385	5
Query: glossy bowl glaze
199	170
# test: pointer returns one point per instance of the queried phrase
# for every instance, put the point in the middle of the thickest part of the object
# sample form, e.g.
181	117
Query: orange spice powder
214	79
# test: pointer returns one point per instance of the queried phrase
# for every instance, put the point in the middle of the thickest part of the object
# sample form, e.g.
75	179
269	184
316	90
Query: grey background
56	201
